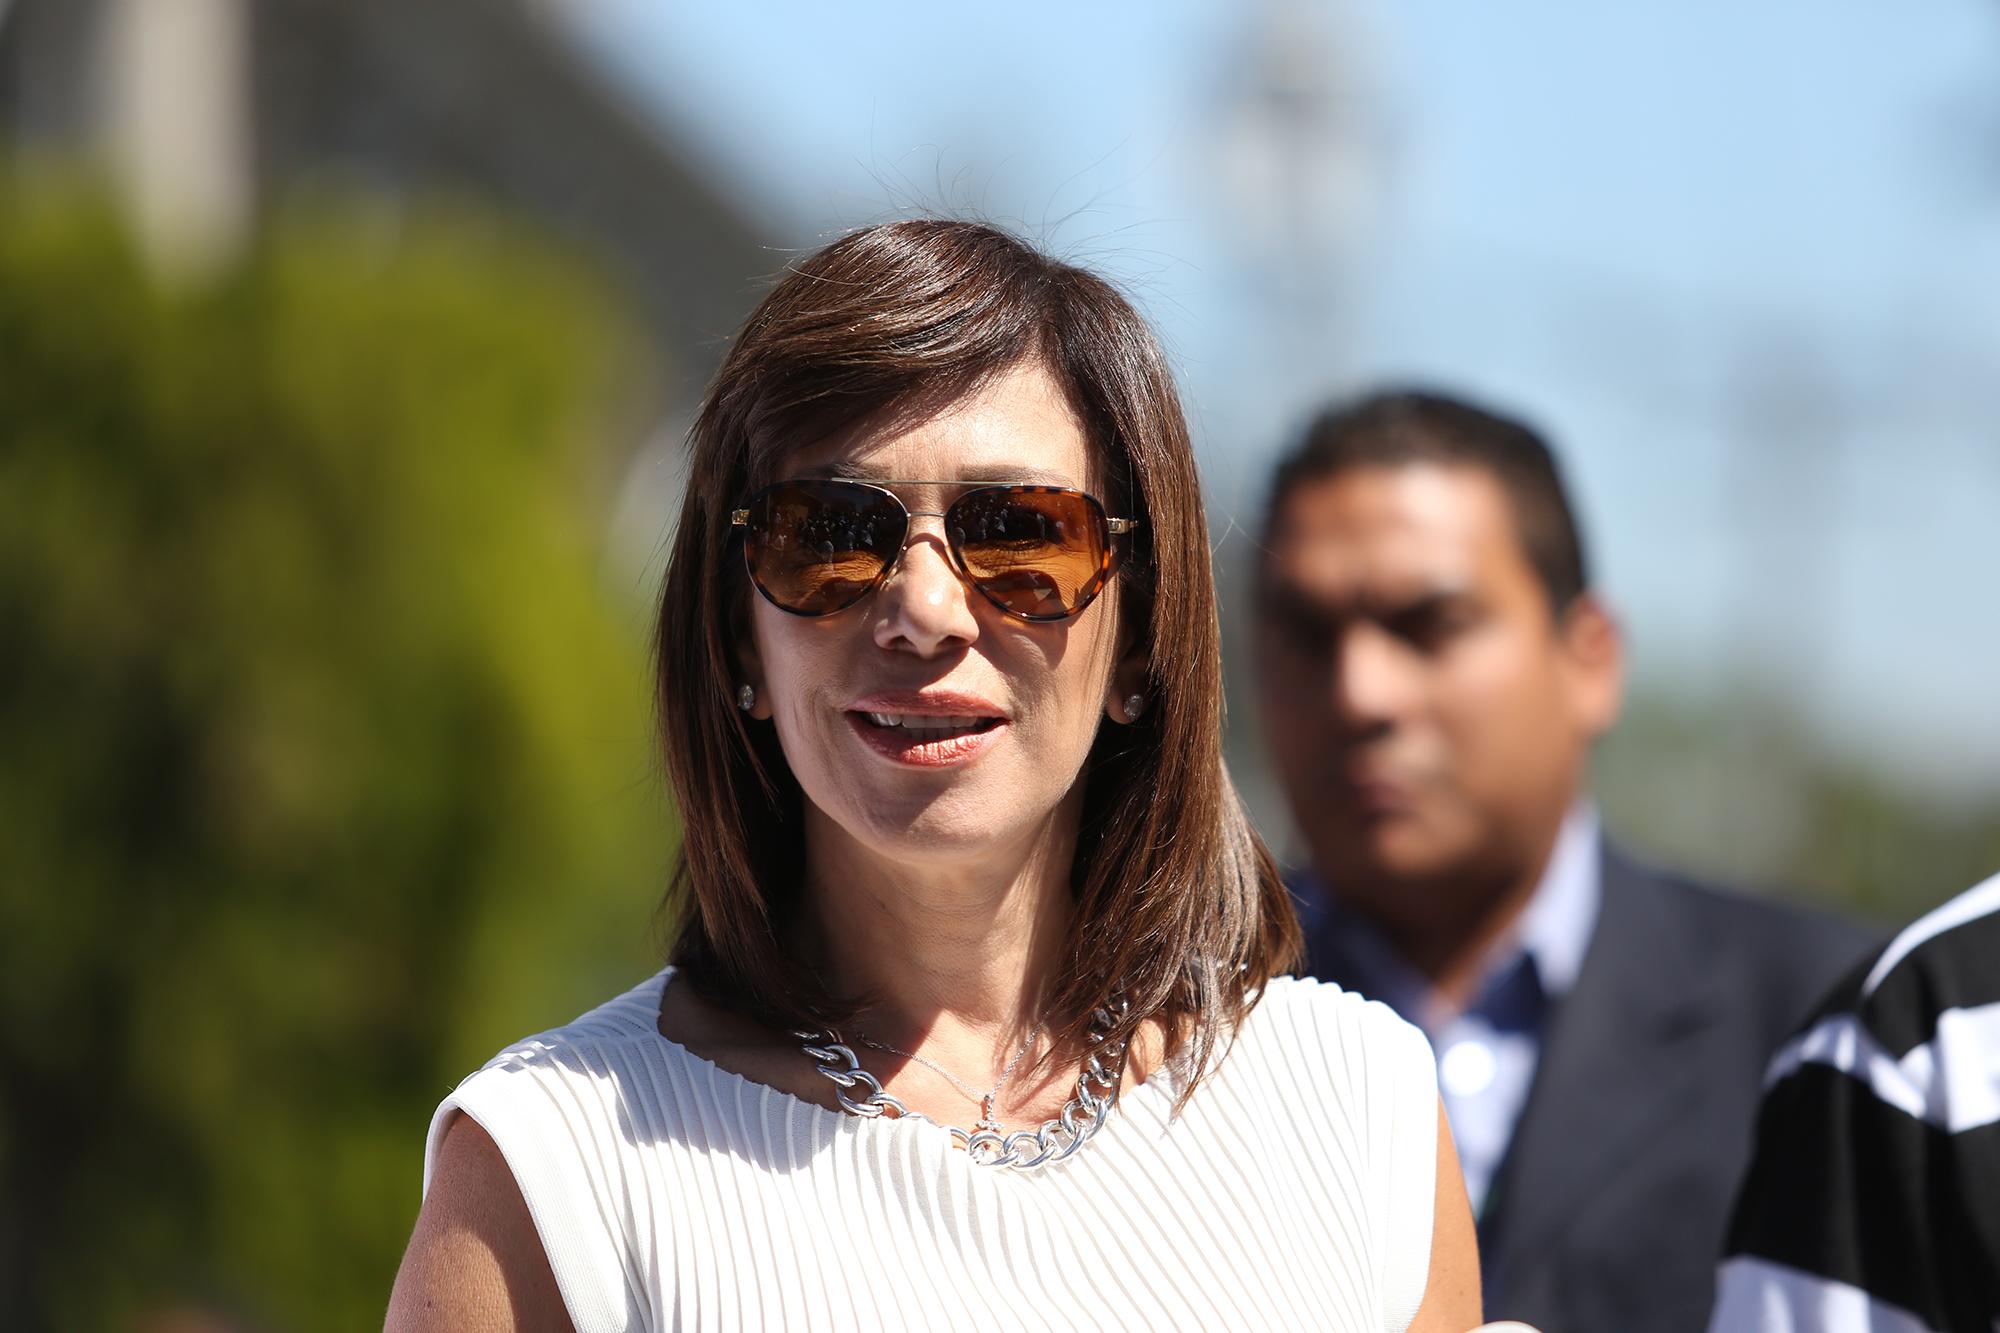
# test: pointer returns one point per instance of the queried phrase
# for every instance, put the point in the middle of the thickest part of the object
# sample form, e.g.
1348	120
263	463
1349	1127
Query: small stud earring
746	698
1135	704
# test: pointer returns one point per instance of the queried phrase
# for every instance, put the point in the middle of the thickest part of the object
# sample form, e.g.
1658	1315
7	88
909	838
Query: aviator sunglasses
815	547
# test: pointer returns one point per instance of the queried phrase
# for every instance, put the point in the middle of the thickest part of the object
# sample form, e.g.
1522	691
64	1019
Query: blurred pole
1790	420
1294	178
1299	163
176	117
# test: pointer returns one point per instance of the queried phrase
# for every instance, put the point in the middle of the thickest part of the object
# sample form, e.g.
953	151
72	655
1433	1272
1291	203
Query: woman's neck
951	951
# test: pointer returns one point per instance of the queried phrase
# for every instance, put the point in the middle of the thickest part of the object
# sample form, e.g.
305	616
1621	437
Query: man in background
1873	1199
1433	669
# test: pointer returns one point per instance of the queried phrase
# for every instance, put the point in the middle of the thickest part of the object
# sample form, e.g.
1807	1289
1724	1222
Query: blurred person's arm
1451	1295
474	1261
1872	1202
1840	1223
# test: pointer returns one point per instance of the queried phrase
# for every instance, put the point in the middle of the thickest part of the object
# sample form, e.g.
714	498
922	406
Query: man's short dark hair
1408	427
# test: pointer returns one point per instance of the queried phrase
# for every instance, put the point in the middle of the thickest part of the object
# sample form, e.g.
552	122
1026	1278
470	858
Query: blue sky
1741	262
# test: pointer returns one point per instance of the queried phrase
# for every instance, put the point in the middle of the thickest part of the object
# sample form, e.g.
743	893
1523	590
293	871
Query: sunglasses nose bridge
915	534
914	531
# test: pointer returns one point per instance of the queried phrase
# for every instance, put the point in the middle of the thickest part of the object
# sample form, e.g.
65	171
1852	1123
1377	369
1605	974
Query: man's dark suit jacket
1608	1211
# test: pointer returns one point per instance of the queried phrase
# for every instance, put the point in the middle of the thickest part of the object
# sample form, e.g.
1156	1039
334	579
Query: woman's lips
929	728
922	747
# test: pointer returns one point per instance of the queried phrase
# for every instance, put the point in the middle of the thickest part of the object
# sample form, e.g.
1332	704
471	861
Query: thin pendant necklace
988	1100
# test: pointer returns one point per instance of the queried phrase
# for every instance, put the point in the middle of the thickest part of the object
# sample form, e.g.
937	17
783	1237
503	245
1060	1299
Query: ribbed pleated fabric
1294	1191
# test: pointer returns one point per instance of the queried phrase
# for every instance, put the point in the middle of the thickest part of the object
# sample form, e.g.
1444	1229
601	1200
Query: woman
972	1018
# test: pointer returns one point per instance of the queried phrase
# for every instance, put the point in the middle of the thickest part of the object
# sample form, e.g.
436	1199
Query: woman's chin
959	824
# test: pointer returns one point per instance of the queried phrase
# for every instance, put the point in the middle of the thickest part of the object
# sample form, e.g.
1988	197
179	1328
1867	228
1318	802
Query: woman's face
926	649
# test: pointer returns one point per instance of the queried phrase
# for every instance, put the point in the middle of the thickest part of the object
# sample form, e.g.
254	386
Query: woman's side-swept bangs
1179	907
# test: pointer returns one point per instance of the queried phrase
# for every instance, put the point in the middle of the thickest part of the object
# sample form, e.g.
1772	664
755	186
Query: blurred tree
323	754
1737	787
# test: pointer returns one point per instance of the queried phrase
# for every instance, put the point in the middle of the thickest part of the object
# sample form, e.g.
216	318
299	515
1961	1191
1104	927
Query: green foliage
1738	788
325	763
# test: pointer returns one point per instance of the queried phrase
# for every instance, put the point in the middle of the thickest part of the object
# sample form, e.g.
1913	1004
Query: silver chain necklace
987	1100
1024	1149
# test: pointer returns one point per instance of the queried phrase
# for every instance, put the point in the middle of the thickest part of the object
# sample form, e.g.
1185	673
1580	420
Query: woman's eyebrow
997	474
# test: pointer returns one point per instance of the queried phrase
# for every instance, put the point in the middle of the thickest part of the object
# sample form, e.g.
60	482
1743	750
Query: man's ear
1594	661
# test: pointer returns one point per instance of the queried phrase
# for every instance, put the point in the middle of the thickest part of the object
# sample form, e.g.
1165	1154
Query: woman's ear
749	693
1129	694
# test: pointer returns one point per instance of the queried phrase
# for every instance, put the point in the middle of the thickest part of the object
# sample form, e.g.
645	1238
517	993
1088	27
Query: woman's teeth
923	723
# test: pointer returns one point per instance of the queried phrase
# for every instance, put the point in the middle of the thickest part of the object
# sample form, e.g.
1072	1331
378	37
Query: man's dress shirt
1629	1021
1486	1053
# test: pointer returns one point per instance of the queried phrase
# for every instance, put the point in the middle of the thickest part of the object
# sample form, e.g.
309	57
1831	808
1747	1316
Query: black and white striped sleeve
1873	1199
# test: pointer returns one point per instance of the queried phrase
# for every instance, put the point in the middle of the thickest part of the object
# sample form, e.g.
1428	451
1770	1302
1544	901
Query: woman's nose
924	606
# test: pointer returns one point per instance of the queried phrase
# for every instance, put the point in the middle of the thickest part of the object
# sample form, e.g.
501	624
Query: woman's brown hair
1178	905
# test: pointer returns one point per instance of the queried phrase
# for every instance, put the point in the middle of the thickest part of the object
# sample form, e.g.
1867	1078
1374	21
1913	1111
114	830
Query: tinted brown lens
1037	551
815	547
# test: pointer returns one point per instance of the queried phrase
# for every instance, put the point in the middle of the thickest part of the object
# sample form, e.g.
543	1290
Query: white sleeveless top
1294	1191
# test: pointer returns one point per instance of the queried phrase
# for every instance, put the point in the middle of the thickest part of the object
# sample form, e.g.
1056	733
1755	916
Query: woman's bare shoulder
474	1260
